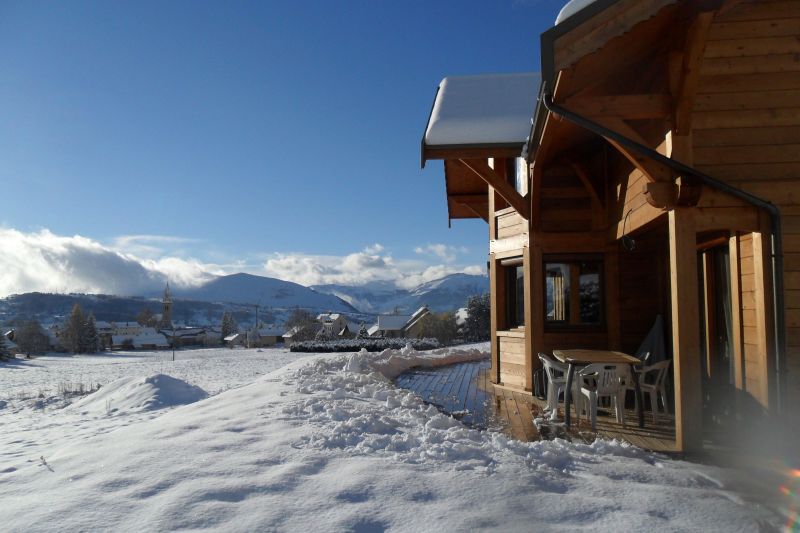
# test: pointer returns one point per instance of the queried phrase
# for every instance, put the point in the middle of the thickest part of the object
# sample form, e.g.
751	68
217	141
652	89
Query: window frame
574	301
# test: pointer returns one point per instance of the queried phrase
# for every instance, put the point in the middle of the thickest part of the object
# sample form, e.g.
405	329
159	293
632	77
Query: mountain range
240	293
445	294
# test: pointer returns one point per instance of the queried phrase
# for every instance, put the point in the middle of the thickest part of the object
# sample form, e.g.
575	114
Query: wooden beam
652	171
624	106
482	169
690	71
470	153
583	175
685	330
482	213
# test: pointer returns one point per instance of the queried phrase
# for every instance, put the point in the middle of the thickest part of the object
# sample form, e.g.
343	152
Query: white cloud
444	252
360	268
45	262
148	245
139	264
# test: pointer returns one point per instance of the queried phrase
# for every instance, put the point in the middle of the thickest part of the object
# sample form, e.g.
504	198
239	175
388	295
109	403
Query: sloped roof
156	339
392	322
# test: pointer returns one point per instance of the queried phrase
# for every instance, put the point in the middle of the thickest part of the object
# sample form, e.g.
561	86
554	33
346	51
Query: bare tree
31	338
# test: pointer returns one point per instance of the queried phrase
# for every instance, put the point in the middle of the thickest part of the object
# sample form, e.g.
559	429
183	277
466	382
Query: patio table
587	357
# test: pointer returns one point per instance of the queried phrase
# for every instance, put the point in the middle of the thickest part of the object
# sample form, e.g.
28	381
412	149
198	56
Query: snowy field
244	440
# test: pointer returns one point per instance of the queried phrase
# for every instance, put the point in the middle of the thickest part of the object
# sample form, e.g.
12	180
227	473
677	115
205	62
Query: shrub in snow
371	345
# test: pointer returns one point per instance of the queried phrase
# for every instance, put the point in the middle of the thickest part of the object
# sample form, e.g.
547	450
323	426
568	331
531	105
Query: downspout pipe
776	244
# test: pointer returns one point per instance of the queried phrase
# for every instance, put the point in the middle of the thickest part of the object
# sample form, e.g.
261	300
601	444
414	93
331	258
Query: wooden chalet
661	176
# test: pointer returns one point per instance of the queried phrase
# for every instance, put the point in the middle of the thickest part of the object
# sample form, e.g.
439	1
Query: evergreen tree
362	332
229	325
477	326
74	330
89	340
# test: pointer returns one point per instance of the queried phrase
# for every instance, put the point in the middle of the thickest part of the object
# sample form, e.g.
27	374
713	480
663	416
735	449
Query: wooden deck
464	391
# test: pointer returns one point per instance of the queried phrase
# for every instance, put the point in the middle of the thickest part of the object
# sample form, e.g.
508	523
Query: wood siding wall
512	360
746	130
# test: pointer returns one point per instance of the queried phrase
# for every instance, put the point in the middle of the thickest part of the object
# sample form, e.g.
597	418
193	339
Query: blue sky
225	134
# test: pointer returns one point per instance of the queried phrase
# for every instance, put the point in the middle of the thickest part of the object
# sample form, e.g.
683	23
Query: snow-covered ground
321	442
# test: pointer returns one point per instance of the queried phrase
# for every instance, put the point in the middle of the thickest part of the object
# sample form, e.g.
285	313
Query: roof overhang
479	117
580	33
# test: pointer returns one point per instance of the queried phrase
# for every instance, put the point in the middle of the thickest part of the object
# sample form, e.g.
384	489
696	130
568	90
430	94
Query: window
573	292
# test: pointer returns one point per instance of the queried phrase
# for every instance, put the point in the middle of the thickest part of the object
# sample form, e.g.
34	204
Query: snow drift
131	395
329	443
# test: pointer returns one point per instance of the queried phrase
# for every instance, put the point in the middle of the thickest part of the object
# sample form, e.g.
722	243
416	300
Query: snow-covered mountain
268	292
446	294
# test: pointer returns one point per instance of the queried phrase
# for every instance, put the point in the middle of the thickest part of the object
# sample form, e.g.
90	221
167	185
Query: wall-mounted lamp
627	241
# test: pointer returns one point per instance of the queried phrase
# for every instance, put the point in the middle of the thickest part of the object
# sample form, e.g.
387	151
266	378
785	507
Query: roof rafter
482	169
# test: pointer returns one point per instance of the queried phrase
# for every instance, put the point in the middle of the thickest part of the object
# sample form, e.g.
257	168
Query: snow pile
131	395
484	109
329	444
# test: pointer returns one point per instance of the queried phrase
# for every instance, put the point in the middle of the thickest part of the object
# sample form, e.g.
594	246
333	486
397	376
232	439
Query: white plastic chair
657	387
556	382
599	380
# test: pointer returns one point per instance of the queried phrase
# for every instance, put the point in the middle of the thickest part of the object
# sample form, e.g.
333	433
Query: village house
396	326
660	176
146	338
263	336
334	323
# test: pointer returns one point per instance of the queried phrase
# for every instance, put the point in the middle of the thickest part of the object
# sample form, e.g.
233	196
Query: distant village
153	331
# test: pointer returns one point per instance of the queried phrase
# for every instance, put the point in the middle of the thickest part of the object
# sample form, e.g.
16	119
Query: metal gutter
773	211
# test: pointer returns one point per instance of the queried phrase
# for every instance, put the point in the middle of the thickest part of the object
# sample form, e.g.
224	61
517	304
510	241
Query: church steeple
166	309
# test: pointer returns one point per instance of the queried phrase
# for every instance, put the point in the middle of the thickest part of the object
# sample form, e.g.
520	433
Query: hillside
267	292
446	294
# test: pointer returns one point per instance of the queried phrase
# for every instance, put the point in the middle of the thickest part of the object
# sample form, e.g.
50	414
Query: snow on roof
156	339
572	7
489	109
392	322
421	311
372	329
232	337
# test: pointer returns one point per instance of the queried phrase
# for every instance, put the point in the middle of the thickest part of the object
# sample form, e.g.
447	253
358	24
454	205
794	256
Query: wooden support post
528	295
494	297
762	282
497	289
537	299
737	340
685	330
611	275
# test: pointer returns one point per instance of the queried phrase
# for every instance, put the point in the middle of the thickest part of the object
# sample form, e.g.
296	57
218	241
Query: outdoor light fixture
627	241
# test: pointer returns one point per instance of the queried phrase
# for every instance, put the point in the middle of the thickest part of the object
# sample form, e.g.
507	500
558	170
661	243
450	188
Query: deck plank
466	389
